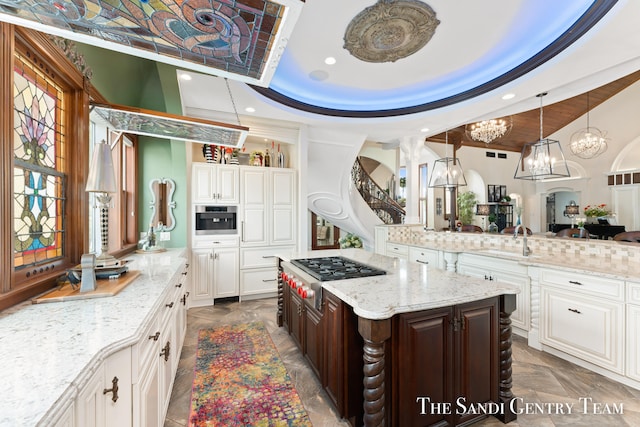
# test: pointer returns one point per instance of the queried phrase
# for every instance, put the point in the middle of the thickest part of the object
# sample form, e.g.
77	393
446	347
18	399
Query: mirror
162	204
324	235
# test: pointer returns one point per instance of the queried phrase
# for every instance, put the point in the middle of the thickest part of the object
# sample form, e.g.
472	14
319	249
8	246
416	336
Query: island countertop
406	287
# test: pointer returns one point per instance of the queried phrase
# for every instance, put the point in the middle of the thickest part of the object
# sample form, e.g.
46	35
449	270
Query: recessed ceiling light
185	76
250	110
330	60
508	96
424	130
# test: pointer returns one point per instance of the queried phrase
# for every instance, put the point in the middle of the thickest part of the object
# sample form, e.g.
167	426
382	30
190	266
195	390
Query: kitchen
160	159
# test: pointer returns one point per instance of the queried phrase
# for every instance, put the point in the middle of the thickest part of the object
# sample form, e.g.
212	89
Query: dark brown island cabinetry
433	367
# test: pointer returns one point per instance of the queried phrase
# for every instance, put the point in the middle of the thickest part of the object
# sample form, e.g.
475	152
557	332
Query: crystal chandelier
589	142
542	159
489	130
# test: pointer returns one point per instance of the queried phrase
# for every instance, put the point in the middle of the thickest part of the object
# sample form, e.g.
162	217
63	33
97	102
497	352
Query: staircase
387	209
334	185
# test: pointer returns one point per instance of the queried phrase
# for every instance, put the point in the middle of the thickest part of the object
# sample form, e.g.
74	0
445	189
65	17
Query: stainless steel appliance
305	275
216	220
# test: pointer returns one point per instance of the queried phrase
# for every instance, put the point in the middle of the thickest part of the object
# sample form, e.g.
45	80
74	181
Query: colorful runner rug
240	380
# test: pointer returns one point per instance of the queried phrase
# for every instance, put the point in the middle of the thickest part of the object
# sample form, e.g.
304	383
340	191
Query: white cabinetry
425	256
106	398
397	250
633	331
504	271
215	274
583	316
215	184
267	226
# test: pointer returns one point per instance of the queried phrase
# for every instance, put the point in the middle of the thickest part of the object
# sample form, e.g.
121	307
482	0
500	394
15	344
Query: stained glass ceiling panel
240	39
162	125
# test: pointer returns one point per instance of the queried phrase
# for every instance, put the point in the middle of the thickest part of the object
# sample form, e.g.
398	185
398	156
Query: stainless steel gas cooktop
335	268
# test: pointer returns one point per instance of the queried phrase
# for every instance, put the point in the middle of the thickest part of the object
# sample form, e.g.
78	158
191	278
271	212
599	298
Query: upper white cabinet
267	207
215	184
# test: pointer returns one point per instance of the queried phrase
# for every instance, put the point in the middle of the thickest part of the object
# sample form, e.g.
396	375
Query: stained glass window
39	179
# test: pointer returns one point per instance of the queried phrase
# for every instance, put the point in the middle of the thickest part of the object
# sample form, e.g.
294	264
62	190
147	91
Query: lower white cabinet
504	271
397	250
215	275
259	269
106	399
589	328
633	331
425	256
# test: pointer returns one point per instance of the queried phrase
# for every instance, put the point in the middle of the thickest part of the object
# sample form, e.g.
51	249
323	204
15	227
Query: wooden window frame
18	286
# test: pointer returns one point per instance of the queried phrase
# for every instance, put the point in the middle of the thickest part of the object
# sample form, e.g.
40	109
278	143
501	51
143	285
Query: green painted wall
138	82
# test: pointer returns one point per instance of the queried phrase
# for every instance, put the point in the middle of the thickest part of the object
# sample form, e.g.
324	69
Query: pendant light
589	142
447	173
542	159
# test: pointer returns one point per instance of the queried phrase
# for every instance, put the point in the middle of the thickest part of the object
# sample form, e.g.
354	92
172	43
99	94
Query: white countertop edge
71	392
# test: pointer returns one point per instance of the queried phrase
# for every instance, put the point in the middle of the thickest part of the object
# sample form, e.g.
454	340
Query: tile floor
537	377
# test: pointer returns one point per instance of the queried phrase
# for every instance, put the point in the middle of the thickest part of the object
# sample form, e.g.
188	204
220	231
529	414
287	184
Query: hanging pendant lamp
542	159
447	171
589	142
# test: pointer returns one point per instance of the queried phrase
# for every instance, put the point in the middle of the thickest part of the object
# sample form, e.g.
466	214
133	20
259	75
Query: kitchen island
415	346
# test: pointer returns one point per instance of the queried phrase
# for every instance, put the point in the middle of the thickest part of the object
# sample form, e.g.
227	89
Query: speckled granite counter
406	287
50	350
617	260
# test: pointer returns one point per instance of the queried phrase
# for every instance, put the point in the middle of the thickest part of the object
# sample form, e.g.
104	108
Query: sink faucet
525	249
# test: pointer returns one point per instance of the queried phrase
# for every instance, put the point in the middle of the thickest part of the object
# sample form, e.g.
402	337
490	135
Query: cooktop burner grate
335	268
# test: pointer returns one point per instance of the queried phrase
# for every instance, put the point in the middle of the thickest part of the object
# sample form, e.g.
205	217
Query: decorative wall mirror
162	204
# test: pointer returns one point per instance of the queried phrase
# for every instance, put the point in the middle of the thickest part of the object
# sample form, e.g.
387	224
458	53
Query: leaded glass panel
38	185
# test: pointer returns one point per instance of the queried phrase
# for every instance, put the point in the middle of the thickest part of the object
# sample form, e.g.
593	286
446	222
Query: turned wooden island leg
375	333
507	306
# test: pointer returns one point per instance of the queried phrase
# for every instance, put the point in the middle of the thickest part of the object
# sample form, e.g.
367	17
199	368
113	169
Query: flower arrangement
597	210
350	241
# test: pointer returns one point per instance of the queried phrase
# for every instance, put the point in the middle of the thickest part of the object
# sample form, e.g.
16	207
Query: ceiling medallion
390	30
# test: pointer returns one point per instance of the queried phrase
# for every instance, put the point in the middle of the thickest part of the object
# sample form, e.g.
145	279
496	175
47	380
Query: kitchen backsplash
539	244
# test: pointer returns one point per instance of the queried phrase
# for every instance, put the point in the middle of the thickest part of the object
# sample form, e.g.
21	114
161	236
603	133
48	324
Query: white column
411	147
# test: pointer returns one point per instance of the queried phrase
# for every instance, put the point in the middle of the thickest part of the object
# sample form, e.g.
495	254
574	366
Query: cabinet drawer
633	293
397	250
258	281
215	241
592	285
262	257
424	256
589	328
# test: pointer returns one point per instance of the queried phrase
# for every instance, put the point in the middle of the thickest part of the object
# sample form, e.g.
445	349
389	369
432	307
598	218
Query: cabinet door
283	220
201	282
314	339
90	403
424	346
477	353
585	327
633	341
202	183
296	319
226	281
334	363
227	185
146	397
254	199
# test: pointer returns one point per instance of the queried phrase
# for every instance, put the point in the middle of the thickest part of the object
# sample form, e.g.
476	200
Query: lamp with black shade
102	182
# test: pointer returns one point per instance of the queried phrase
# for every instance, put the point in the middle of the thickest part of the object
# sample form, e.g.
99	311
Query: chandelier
589	142
447	171
489	130
542	159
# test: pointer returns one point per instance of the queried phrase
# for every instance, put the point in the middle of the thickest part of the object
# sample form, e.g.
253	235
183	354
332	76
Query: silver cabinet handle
268	256
269	280
242	231
423	262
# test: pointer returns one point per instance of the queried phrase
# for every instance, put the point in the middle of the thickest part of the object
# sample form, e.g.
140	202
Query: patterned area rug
240	380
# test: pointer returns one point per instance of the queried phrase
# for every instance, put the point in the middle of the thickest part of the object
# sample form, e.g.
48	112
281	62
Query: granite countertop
50	350
406	287
592	264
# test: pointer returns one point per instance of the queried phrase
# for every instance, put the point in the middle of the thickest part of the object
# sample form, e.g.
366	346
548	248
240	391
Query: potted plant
466	204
